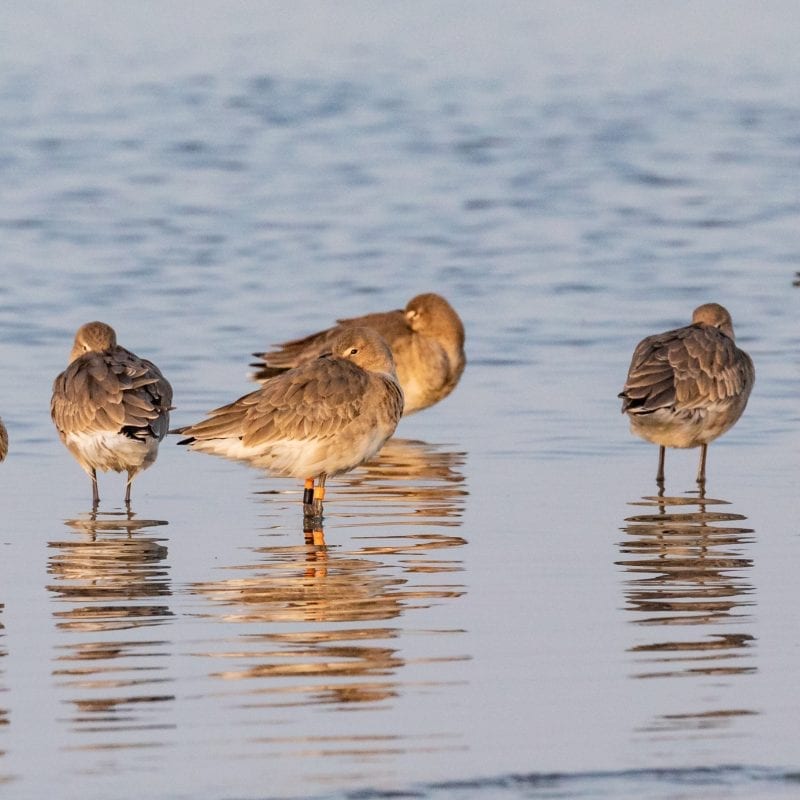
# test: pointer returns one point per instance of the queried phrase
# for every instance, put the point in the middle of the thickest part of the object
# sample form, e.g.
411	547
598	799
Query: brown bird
111	408
688	386
3	441
426	339
322	418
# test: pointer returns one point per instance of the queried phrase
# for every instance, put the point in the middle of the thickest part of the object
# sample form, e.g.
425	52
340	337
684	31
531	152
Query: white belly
685	429
299	459
105	451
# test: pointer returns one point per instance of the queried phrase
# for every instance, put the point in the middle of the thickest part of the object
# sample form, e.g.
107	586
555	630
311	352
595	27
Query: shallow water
503	606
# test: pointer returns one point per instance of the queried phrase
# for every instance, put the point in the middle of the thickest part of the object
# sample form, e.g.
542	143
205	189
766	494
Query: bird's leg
319	496
701	469
660	473
308	502
95	493
131	473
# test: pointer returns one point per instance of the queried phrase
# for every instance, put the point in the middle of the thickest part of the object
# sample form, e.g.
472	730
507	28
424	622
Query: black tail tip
264	371
178	431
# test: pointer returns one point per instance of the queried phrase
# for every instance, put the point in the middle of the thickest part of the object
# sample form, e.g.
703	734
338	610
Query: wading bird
426	339
111	408
688	386
322	418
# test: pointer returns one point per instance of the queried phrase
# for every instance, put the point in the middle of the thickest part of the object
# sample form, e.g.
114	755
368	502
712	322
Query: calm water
503	608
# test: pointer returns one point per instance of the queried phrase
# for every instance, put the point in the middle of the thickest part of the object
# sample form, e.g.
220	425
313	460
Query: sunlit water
503	606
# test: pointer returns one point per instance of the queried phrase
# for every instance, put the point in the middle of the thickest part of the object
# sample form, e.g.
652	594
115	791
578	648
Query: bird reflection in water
111	581
688	573
408	483
313	619
421	484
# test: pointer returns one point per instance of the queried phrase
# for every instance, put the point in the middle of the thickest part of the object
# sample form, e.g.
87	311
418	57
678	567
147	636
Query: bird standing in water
426	339
322	418
688	386
111	408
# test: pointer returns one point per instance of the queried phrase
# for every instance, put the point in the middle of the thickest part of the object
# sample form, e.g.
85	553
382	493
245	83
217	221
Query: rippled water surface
500	605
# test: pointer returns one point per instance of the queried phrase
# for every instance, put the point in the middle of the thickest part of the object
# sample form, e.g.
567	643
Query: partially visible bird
111	408
426	339
688	386
3	441
322	418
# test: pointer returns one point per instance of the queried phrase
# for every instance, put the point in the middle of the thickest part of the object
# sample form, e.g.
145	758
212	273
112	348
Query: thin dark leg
308	504
317	534
319	496
95	493
660	473
701	470
128	489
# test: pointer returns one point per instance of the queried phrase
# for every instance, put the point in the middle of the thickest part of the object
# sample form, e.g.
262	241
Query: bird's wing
111	391
686	368
389	324
709	368
313	401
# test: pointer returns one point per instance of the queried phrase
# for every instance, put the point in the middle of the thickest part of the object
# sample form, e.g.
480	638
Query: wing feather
685	369
390	324
111	391
313	401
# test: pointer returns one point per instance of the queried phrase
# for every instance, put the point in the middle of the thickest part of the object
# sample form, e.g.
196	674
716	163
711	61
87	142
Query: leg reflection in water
688	575
109	581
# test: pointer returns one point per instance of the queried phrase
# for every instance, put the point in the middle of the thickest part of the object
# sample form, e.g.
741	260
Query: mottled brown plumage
321	418
426	339
111	408
3	441
688	386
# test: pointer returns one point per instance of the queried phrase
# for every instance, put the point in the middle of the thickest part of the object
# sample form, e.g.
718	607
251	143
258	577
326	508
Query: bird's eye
353	351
